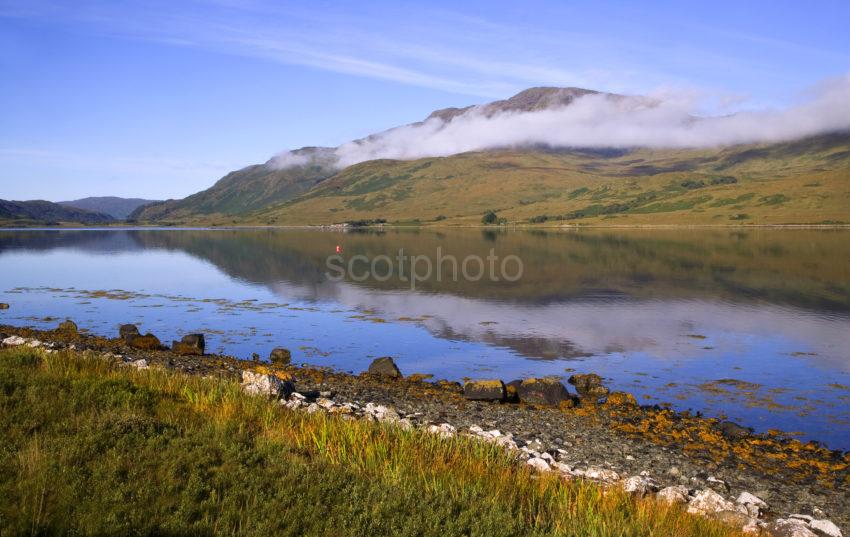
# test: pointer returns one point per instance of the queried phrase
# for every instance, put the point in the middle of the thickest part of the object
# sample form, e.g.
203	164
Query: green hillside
244	190
800	182
40	212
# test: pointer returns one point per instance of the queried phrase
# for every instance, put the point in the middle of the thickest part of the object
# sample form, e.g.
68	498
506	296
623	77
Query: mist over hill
540	146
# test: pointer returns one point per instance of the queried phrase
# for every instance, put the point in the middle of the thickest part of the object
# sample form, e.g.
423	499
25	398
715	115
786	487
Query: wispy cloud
453	52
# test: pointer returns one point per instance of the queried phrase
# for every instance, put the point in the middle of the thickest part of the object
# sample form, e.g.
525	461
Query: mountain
278	180
803	181
45	212
118	208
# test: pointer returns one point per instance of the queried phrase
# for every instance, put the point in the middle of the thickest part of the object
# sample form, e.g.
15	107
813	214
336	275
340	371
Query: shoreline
604	440
506	227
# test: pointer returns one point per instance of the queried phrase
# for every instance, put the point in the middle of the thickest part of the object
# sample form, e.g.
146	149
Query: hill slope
118	208
246	190
806	181
45	212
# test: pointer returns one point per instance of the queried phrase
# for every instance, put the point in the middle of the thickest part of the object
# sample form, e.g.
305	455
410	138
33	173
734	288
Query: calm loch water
753	325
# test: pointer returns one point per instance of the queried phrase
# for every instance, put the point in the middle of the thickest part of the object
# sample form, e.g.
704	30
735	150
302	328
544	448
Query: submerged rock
542	391
384	367
280	356
484	390
589	386
189	345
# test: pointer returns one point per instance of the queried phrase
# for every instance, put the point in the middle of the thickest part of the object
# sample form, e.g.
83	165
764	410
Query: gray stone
677	494
542	391
385	367
825	527
755	506
261	384
789	527
707	501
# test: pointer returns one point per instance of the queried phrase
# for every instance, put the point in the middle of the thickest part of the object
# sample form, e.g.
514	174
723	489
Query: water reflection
659	312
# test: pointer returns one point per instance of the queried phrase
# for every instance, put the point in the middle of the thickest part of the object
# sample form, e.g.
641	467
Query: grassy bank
91	448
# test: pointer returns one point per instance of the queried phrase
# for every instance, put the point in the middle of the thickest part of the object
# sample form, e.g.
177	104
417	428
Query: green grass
89	448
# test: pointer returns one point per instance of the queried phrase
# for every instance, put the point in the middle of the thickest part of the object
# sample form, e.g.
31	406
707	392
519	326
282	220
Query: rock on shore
484	390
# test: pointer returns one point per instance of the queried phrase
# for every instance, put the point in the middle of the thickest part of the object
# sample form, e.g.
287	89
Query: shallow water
753	325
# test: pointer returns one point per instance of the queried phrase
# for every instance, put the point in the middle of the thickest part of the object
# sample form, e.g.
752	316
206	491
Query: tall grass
92	448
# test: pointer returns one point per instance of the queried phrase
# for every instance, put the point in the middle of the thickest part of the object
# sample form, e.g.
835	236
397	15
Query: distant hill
246	190
800	182
118	208
39	212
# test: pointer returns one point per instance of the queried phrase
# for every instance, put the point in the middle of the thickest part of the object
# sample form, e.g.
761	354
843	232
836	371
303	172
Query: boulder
146	342
280	356
257	383
484	390
589	386
4	306
601	474
733	431
825	527
639	485
707	501
189	345
14	341
539	464
68	327
384	367
128	331
755	506
677	494
789	527
621	399
542	391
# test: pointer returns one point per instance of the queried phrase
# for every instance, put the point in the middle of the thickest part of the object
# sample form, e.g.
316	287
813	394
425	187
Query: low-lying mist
596	121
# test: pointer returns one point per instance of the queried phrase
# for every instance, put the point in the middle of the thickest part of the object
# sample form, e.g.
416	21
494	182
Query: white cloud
602	121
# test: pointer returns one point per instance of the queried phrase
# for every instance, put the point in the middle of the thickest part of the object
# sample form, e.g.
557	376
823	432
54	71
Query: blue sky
159	99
